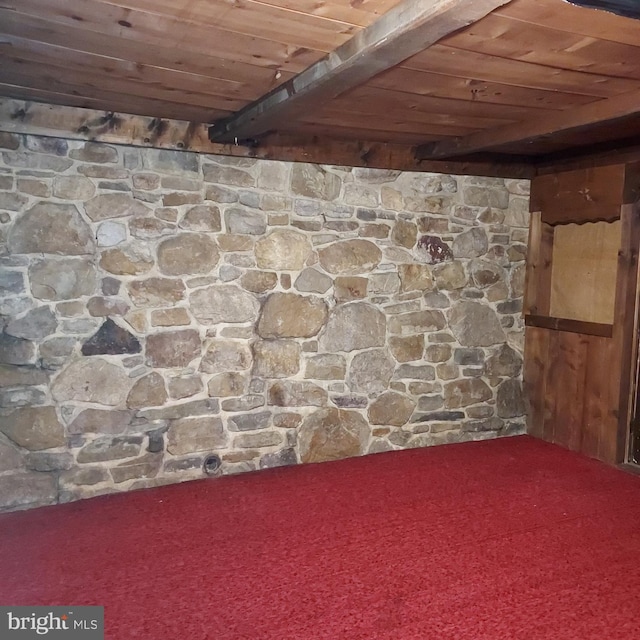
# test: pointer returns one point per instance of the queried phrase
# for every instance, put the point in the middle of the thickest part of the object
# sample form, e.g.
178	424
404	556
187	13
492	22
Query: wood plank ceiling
532	80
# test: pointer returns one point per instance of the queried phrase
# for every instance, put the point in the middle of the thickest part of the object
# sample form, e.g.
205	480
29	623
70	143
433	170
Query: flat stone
223	303
510	400
418	322
276	358
392	409
100	307
471	244
289	315
107	448
245	221
114	205
171	162
111	339
16	350
326	367
146	466
283	250
245	403
296	394
383	283
56	351
62	279
10	458
187	253
73	188
370	371
184	386
173	348
258	440
150	228
313	281
282	458
22	397
35	325
45	461
202	218
110	286
332	434
404	234
148	391
87	476
415	372
475	324
127	261
350	401
111	234
175	317
259	281
250	421
348	288
16	376
11	282
353	326
407	349
190	435
111	422
207	407
440	416
51	228
227	384
156	292
28	489
462	393
226	355
415	277
313	181
350	257
477	426
91	380
95	152
34	428
228	175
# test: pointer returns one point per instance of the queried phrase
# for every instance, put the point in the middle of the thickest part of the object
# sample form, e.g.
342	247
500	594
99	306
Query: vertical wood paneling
536	353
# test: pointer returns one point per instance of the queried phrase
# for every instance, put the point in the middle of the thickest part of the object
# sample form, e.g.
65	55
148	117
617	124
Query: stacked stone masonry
160	307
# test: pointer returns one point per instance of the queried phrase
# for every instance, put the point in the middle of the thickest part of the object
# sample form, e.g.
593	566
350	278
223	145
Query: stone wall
161	310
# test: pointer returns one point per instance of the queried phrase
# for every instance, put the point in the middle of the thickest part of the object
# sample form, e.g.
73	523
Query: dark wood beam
410	27
34	118
598	112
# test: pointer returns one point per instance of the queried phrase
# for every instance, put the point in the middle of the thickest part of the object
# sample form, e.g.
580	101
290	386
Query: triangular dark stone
111	340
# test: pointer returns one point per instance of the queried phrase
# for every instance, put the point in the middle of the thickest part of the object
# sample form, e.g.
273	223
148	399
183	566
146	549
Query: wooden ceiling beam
76	123
405	30
575	119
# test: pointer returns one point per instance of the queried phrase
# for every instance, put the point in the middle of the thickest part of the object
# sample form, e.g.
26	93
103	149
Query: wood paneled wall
578	375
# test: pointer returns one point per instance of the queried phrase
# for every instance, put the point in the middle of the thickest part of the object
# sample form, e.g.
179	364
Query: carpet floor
510	538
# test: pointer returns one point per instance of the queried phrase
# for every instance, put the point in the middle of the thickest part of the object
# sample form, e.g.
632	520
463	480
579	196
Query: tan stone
223	303
148	391
190	435
150	228
73	188
475	324
95	152
332	434
258	440
450	276
283	250
276	358
288	315
114	205
259	281
405	234
100	307
101	421
226	355
348	288
296	394
173	348
62	279
187	253
391	408
326	367
415	277
175	317
155	292
184	386
127	261
91	380
353	326
235	242
227	384
34	428
462	393
407	349
312	181
202	218
350	257
110	448
417	322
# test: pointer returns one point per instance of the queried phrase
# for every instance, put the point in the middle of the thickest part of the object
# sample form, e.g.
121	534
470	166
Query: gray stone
11	282
370	371
505	362
312	281
150	228
282	458
276	358
15	376
114	205
10	457
87	476
16	350
439	416
415	372
107	448
227	384
485	273
475	324
111	339
250	421
187	253
111	422
257	440
184	386
224	356
288	315
46	461
469	356
350	401
100	307
246	403
353	326
332	434
471	244
462	393
73	188
27	489
95	152
173	348
51	228
326	367
22	397
245	221
313	181
190	435
14	306
171	162
228	175
36	325
91	380
391	408
223	303
283	250
62	279
418	322
510	400
156	292
297	394
202	218
350	257
147	466
34	428
476	426
206	407
56	351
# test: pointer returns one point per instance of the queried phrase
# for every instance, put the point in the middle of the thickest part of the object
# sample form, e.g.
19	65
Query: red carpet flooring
510	538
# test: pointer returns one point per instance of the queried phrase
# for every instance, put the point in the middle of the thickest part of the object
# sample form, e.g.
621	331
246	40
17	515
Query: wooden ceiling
521	81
